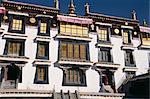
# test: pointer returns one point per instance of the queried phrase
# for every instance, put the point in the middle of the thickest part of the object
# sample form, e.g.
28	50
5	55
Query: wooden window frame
107	58
46	44
11	18
107	36
22	47
103	35
128	32
129	56
46	21
73	51
46	79
71	33
108	79
81	80
145	37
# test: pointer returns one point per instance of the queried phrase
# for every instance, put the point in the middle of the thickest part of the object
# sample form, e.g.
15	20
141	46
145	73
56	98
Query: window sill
42	62
107	65
147	47
14	58
43	34
60	36
128	46
43	38
41	82
74	84
83	63
127	68
8	63
104	44
14	36
16	31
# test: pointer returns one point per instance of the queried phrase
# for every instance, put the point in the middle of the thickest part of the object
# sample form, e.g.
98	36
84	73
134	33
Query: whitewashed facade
29	61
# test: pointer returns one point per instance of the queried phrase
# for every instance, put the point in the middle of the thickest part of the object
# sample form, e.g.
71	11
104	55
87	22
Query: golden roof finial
71	8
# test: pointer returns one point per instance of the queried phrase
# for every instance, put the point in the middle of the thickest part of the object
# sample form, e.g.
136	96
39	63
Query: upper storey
29	8
72	26
18	15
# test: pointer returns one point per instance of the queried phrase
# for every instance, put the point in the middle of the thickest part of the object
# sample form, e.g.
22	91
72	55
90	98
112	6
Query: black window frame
46	81
71	33
22	50
48	22
108	34
130	57
110	76
11	17
101	53
129	36
145	35
75	43
82	78
46	44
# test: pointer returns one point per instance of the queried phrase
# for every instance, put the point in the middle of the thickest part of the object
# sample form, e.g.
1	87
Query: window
41	75
17	24
129	59
126	37
11	73
105	55
145	38
103	34
74	76
43	50
44	27
73	51
108	79
14	48
73	29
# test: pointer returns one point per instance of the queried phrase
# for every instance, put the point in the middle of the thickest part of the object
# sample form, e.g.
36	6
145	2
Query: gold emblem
135	33
5	17
116	31
32	20
126	23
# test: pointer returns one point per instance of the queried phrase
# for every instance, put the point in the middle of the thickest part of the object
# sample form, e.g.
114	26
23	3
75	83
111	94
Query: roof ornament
144	23
134	15
72	8
87	8
56	2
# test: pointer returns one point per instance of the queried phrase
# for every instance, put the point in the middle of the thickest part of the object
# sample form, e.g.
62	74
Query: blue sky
121	8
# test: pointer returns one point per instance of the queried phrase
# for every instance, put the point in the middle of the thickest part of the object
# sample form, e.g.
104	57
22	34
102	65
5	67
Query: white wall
56	74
